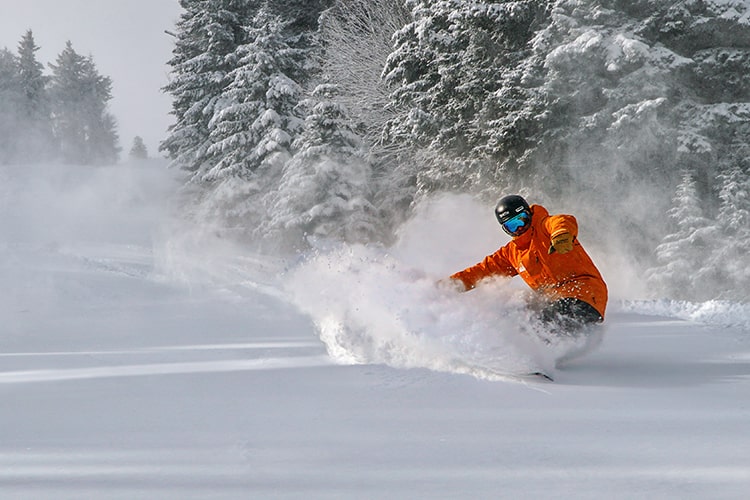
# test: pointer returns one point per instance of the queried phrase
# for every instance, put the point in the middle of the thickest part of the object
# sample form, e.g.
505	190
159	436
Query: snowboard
533	376
530	376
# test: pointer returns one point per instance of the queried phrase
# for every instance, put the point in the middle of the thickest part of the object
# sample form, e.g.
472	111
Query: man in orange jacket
546	253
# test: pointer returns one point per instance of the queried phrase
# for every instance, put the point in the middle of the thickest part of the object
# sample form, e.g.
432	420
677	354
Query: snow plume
384	305
369	307
203	255
55	205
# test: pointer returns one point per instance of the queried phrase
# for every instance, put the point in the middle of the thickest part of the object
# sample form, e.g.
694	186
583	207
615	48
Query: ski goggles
518	224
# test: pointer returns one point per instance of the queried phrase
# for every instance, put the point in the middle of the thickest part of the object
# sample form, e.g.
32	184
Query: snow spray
382	305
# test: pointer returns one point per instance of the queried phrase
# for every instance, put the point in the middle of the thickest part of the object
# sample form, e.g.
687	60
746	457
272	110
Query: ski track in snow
57	375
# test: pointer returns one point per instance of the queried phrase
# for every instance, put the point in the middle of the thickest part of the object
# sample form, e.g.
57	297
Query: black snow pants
569	315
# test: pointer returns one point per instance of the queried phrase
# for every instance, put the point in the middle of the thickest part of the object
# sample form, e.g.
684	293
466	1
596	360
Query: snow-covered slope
142	360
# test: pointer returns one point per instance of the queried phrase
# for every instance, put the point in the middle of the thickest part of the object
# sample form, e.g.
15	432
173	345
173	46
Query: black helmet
510	207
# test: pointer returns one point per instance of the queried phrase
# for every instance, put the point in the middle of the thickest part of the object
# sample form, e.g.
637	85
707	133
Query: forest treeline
303	121
306	120
60	116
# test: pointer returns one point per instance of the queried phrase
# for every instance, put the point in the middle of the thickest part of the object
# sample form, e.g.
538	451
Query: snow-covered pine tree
300	31
11	98
208	34
730	257
683	255
446	71
301	16
711	82
628	94
603	89
418	72
36	141
325	190
253	124
67	116
104	139
734	211
138	150
31	71
84	129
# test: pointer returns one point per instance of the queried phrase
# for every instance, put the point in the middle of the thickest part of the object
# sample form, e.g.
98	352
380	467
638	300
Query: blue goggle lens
514	225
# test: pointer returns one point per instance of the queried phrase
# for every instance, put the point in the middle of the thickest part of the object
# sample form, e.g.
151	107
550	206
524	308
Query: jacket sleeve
492	265
559	224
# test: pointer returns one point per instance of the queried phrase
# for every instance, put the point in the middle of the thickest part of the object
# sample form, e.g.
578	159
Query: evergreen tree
11	99
636	91
730	259
85	130
684	253
598	102
253	124
301	17
36	141
326	188
622	96
103	137
734	212
138	150
256	121
31	71
447	72
208	35
603	89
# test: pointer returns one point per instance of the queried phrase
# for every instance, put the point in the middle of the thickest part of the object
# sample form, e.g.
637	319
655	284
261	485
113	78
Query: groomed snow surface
141	358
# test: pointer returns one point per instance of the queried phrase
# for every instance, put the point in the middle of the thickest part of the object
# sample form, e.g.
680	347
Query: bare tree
357	36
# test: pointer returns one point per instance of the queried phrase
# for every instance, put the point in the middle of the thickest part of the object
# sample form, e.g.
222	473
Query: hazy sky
127	41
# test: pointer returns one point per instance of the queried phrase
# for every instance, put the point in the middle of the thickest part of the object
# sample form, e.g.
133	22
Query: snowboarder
546	253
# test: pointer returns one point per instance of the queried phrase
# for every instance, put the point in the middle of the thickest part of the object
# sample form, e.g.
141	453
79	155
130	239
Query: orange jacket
572	274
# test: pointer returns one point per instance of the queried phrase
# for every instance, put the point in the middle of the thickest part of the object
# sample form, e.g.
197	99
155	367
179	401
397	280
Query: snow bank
712	312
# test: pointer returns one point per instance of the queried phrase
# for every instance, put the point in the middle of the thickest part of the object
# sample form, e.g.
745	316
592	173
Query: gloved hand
562	243
451	284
